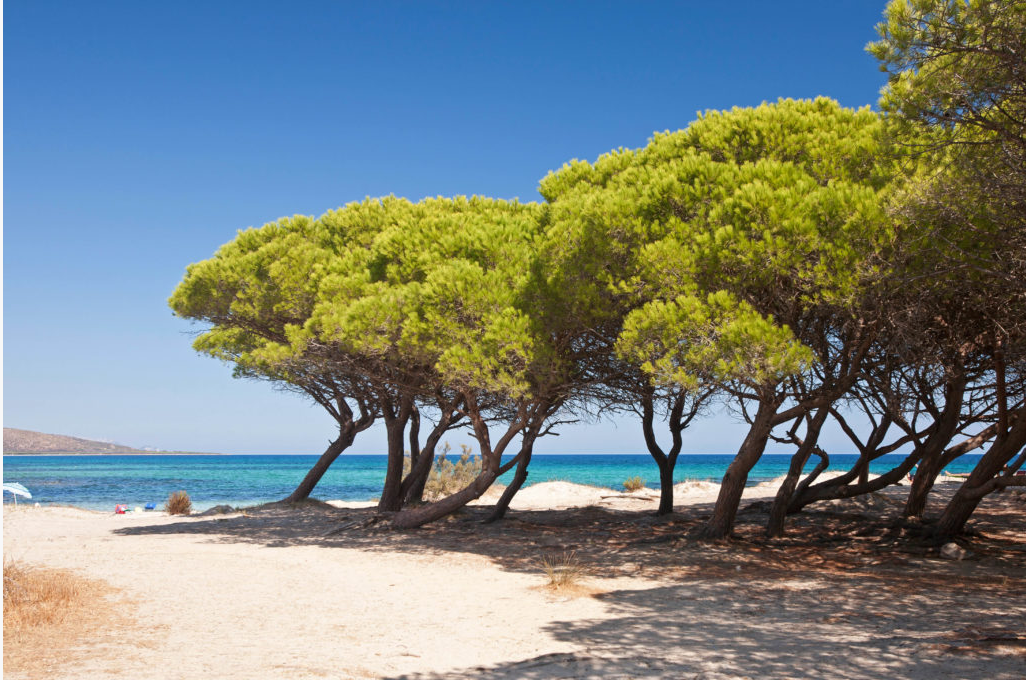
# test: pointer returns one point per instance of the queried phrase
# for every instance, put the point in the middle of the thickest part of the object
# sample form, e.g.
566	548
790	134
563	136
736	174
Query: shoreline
539	495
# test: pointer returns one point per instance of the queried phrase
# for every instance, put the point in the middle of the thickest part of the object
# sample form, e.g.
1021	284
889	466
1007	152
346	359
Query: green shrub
633	484
178	503
447	477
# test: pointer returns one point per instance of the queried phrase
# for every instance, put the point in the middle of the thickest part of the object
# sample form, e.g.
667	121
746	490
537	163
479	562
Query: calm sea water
99	482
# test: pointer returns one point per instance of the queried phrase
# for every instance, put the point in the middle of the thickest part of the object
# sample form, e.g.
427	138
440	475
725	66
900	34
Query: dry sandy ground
332	592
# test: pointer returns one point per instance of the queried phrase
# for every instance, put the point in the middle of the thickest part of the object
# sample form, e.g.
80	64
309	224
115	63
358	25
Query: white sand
265	597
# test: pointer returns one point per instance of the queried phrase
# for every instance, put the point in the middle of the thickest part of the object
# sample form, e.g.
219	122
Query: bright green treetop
711	242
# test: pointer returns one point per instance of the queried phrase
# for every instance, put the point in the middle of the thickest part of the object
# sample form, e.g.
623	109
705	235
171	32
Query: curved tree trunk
412	488
931	461
823	464
981	480
519	477
306	487
721	524
491	463
665	462
778	511
418	516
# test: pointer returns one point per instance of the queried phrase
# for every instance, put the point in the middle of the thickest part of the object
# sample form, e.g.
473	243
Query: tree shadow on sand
841	580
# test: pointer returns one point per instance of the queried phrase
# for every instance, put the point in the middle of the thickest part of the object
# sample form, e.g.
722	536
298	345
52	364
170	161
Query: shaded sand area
332	592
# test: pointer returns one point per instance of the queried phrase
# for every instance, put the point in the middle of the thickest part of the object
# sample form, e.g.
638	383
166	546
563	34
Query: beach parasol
17	490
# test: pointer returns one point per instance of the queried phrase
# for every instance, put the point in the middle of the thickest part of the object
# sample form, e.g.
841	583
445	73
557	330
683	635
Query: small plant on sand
178	503
448	477
632	484
564	572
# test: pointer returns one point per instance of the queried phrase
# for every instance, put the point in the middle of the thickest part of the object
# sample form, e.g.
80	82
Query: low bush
633	484
178	503
448	477
564	572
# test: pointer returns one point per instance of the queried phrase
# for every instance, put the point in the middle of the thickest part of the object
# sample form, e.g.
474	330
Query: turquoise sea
100	482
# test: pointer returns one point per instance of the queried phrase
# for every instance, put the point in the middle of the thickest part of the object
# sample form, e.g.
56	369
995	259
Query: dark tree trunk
665	462
823	464
519	477
306	487
395	427
412	489
721	523
931	461
491	464
825	492
665	485
418	516
778	511
981	480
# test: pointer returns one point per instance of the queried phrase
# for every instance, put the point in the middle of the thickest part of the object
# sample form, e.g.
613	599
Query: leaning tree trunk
412	488
778	511
418	516
931	462
519	477
732	487
491	461
980	482
306	487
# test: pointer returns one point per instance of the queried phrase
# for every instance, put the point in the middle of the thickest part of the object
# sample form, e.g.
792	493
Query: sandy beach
329	591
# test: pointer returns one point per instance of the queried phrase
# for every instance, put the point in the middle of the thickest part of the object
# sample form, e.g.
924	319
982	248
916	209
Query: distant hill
27	441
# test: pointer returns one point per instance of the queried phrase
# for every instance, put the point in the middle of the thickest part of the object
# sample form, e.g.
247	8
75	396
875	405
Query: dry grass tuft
178	503
565	573
47	613
632	484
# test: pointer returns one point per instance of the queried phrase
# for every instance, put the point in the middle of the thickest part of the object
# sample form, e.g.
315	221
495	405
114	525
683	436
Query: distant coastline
30	443
29	454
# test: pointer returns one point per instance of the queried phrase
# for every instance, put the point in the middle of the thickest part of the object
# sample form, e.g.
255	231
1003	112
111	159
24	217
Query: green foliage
956	102
708	245
632	484
955	65
448	477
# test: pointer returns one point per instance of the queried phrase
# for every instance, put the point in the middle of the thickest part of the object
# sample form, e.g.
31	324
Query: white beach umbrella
17	490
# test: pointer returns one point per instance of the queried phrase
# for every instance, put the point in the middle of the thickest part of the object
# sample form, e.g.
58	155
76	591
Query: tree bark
395	427
778	511
666	462
823	464
306	487
721	523
931	461
412	488
491	463
519	477
963	504
411	518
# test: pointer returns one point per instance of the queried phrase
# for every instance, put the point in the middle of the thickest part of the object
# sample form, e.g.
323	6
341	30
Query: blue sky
138	137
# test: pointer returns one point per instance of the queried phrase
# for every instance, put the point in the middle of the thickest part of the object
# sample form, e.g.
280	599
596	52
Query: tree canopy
793	261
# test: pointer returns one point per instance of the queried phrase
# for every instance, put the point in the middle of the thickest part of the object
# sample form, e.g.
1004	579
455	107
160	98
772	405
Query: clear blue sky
140	136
